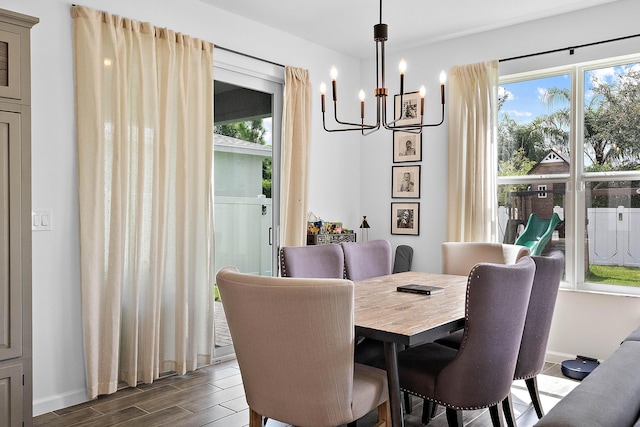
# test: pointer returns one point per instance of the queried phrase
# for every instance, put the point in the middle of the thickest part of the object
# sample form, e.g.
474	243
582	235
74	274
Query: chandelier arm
415	128
345	129
356	125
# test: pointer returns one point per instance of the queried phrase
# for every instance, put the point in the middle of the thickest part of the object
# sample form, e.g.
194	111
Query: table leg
395	398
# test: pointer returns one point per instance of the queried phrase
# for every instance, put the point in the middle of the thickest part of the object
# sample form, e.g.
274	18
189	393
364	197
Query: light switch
41	220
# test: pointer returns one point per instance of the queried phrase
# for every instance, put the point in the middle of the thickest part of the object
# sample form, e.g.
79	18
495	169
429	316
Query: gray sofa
609	396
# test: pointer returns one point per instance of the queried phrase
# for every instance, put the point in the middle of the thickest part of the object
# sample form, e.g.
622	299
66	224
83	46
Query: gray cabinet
15	220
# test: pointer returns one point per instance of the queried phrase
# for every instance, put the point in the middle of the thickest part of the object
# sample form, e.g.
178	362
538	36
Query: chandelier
408	108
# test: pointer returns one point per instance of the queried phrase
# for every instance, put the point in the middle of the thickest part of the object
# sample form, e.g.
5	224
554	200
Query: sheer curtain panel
295	156
144	112
473	108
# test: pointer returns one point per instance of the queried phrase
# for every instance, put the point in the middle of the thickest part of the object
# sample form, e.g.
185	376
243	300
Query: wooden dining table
401	319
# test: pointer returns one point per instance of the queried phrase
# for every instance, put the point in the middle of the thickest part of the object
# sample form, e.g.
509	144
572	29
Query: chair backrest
367	259
537	233
320	261
496	307
460	257
403	259
546	282
286	375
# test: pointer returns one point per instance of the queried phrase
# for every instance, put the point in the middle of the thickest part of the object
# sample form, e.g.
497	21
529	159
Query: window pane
533	126
613	232
612	118
517	203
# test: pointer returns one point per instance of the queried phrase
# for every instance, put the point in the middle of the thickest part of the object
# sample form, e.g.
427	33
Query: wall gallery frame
405	182
407	110
405	218
407	147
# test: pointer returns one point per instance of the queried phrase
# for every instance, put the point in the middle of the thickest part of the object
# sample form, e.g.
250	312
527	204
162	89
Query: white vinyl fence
613	234
242	227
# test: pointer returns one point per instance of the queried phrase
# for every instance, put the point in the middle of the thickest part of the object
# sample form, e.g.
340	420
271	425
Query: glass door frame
264	77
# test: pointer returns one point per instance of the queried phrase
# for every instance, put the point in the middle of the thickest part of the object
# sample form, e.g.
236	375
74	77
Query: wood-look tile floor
214	396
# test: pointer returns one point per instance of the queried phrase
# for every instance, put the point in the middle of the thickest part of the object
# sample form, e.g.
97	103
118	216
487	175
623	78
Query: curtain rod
570	48
238	53
215	46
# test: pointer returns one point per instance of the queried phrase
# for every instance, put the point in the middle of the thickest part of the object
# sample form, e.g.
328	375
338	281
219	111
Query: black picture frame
409	112
405	182
405	218
407	147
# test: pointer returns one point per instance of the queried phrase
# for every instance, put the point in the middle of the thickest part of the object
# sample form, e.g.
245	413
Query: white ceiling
347	25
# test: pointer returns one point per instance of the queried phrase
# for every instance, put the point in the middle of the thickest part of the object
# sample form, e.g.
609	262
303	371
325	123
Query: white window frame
576	179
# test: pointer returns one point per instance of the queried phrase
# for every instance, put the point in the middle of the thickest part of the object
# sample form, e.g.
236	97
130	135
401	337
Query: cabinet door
9	65
11	395
10	241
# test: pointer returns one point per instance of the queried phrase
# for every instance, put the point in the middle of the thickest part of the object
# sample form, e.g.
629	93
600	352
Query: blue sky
525	98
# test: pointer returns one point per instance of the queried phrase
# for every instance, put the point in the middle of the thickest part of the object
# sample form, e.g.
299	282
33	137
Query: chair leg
255	419
454	418
532	386
384	415
507	407
407	403
427	411
496	418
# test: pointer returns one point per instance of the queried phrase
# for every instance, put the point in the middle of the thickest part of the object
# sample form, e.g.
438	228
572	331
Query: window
569	144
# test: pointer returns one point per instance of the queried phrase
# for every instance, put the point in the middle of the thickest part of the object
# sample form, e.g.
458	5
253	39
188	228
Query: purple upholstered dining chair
321	261
363	260
537	326
549	270
287	377
478	374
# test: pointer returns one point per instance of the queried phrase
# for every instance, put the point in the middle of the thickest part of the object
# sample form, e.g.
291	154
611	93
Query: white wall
585	323
59	378
349	175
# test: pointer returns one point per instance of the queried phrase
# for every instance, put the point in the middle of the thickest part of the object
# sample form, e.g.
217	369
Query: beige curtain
295	158
144	112
472	200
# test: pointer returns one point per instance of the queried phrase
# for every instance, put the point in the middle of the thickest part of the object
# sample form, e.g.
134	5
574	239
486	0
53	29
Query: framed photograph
409	112
405	182
405	218
407	147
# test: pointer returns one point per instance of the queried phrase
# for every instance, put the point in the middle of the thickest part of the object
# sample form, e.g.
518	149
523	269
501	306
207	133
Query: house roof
552	156
227	144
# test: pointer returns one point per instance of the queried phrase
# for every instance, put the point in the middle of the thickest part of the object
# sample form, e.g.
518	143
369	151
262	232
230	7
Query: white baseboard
555	357
53	403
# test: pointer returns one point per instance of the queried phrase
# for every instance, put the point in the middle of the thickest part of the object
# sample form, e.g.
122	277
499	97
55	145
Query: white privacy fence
613	234
242	234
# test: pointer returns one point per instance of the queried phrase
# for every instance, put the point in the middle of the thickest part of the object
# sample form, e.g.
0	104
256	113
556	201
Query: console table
326	238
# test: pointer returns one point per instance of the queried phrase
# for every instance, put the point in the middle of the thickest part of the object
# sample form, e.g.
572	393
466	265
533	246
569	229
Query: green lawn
614	275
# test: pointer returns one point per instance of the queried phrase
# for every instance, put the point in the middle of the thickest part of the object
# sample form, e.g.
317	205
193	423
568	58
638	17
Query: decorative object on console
364	229
412	123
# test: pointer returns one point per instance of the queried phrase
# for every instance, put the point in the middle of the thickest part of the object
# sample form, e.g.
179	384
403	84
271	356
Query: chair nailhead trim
439	402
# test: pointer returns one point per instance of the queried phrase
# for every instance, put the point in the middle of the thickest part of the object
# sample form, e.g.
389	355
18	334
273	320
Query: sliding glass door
247	117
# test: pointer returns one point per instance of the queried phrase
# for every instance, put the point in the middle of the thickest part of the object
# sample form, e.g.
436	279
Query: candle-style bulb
443	77
402	66
361	95
334	73
423	91
323	88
